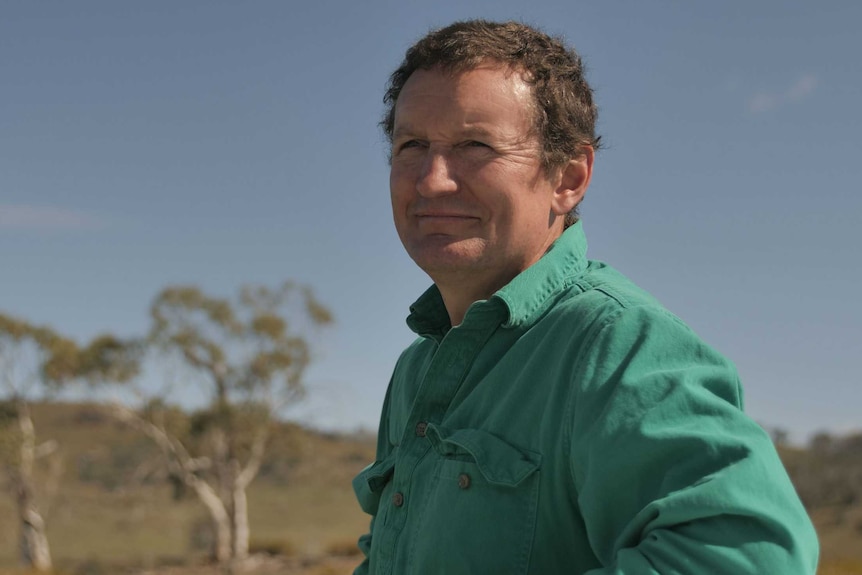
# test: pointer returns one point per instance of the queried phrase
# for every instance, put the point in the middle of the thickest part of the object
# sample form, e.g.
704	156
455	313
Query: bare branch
178	457
252	466
45	449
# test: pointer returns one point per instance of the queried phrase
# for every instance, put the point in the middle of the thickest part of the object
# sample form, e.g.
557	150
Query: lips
446	216
441	212
441	221
445	223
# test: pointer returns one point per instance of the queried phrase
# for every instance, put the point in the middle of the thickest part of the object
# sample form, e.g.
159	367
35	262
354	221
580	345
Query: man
551	417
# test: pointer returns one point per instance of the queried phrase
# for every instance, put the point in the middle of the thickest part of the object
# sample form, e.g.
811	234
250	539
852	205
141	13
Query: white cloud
45	218
762	102
801	89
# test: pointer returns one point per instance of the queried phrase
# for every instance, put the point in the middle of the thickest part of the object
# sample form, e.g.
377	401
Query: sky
220	144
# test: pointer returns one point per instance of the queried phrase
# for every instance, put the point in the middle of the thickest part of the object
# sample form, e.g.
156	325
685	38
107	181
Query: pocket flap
370	482
499	462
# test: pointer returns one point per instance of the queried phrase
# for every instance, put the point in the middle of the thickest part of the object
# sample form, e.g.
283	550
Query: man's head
492	146
564	113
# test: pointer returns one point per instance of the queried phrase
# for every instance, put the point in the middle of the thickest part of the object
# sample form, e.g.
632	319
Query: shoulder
602	297
420	351
609	291
610	325
409	372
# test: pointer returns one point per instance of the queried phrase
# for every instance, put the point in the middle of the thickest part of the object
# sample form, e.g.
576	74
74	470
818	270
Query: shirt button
420	428
463	481
398	499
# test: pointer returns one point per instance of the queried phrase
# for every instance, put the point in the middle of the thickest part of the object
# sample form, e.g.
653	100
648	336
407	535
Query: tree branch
252	466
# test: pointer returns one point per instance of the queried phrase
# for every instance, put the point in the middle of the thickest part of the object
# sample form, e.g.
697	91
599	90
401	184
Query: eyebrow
401	130
477	131
468	132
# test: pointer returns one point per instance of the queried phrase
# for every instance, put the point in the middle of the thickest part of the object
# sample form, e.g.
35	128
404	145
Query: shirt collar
525	298
528	295
428	315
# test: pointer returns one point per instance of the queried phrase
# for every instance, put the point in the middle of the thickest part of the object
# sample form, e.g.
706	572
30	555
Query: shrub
343	548
274	547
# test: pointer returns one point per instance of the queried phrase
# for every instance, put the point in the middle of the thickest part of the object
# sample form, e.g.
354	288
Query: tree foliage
829	472
247	350
33	361
251	353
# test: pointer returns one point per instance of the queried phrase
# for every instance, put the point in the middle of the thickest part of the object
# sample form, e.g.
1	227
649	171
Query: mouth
444	216
443	222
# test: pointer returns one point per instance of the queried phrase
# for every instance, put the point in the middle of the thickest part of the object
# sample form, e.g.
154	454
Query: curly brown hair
565	112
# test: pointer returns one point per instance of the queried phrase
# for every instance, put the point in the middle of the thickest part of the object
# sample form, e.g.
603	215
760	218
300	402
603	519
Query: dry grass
304	521
840	567
299	516
343	548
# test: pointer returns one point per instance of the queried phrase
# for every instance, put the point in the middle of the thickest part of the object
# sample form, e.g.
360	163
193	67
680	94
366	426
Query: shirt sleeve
365	548
383	449
672	477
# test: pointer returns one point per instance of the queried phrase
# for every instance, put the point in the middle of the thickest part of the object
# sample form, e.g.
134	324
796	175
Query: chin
447	258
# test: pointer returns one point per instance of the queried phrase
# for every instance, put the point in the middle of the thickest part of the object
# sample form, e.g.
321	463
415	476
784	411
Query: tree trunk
240	524
183	465
220	518
35	552
241	481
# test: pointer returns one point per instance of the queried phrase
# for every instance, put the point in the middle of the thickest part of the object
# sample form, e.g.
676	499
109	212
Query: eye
410	144
476	144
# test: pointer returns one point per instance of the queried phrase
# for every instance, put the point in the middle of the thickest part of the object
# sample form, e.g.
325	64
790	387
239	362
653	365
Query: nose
437	176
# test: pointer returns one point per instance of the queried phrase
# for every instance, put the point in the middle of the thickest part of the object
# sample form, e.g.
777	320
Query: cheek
497	190
402	177
397	183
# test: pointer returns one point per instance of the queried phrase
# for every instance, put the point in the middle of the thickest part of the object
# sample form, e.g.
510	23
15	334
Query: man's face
470	197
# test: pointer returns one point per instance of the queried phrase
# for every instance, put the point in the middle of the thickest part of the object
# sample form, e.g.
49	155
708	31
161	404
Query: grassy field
99	525
303	515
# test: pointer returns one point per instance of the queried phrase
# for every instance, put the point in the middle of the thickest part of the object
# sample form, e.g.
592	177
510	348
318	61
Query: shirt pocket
480	513
371	481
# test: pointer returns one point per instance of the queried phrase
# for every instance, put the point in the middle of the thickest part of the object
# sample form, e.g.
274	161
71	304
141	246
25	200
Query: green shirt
572	425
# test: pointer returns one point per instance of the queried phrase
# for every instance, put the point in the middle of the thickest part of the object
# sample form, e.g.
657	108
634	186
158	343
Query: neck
460	295
459	288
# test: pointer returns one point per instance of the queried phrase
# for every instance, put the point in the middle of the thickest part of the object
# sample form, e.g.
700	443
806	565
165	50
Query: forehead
486	94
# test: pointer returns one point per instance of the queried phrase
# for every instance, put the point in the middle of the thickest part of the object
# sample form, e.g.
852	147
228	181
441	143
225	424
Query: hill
114	511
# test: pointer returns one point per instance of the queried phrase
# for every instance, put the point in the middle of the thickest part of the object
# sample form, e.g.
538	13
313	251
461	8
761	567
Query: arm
365	547
383	449
671	476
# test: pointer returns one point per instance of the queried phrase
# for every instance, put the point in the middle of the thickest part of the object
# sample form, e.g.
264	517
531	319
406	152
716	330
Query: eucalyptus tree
247	358
36	361
33	361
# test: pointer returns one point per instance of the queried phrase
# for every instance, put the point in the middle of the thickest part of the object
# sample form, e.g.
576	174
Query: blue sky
219	144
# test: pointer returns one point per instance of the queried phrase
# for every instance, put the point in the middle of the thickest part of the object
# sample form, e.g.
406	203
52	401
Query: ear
574	180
